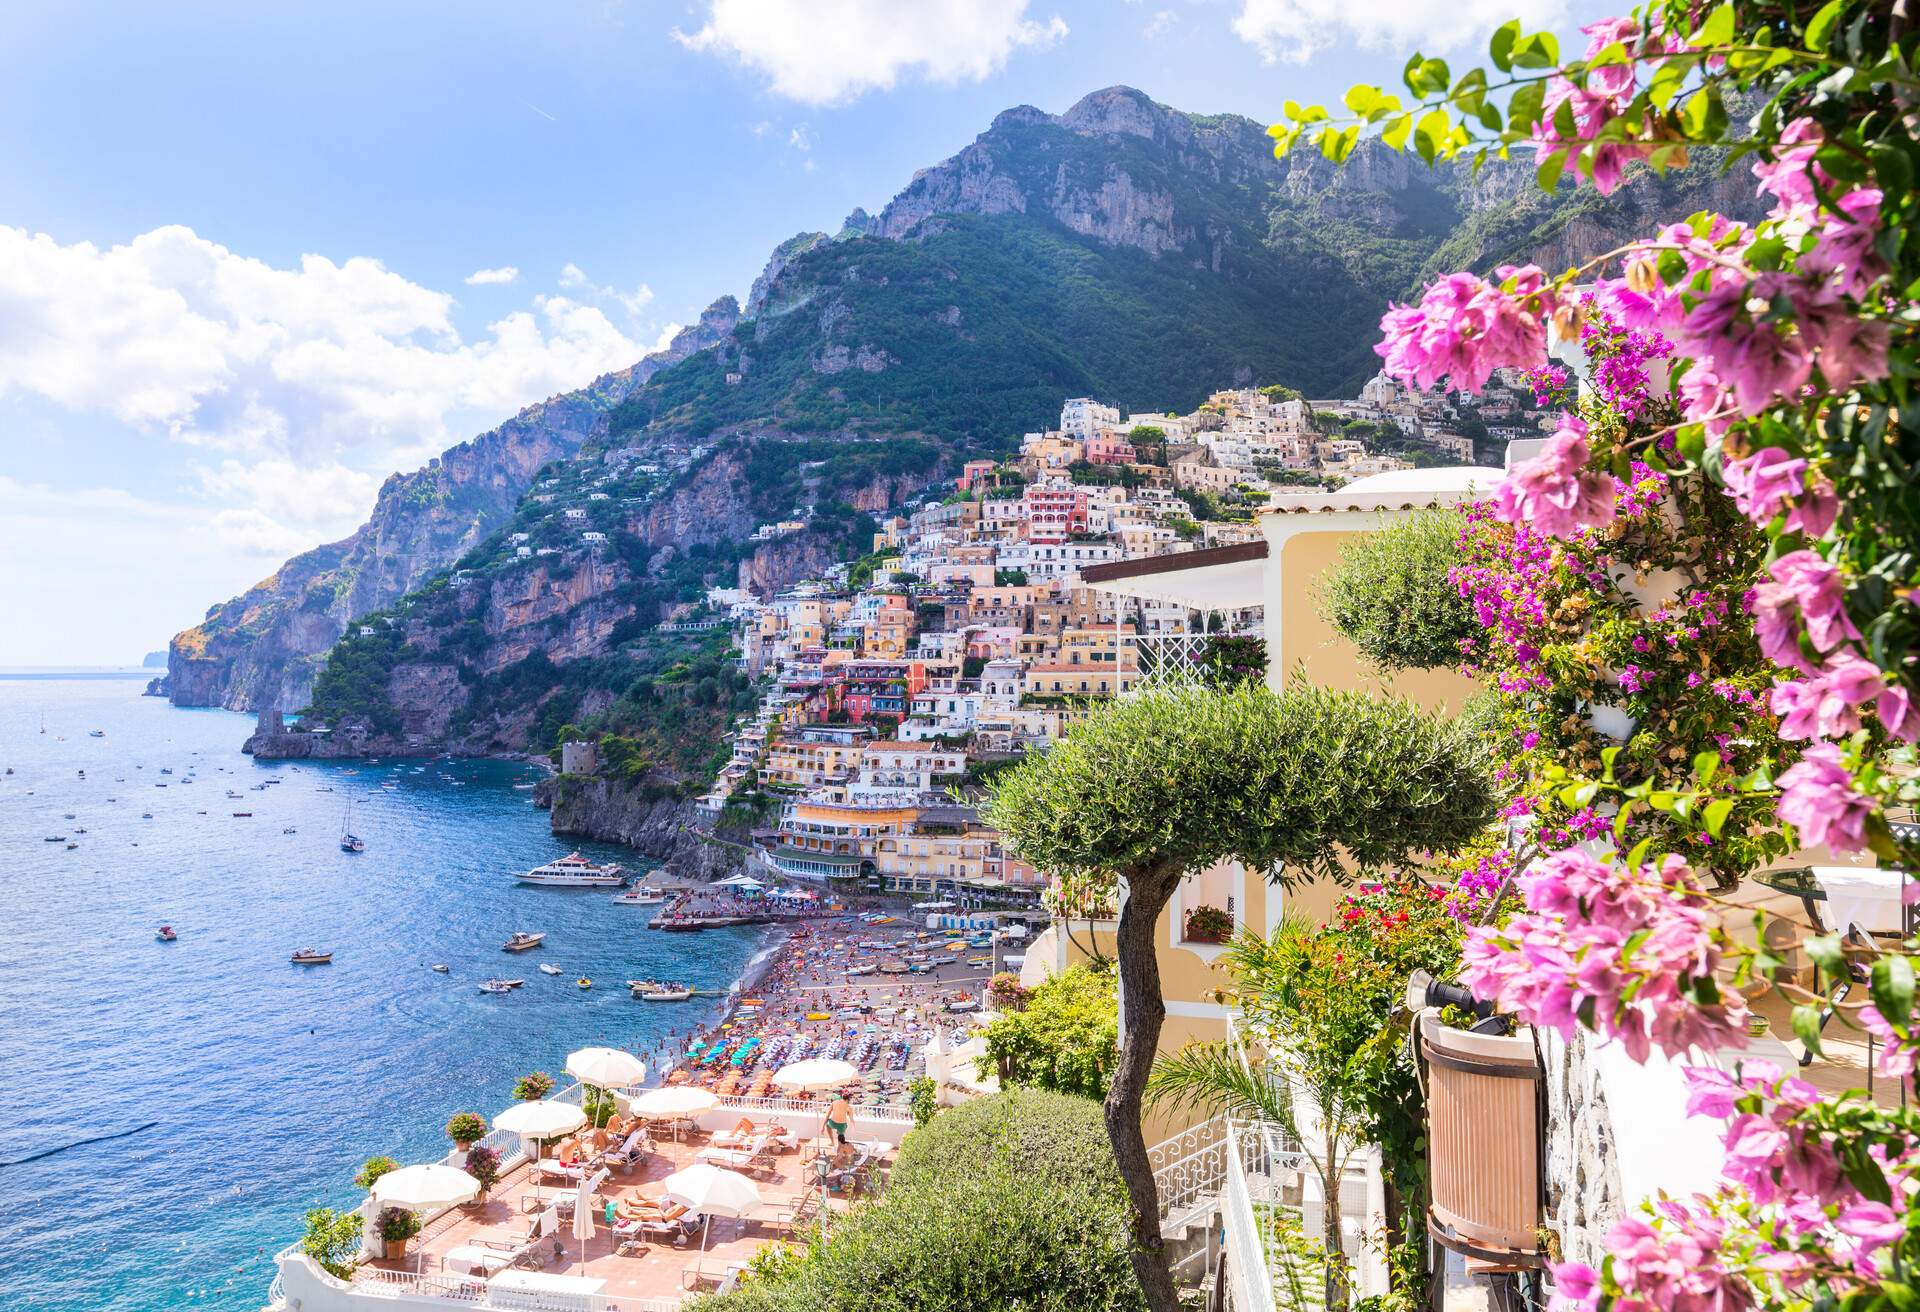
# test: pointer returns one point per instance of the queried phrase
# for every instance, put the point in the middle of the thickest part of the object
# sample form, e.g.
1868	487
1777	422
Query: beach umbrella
606	1068
541	1118
711	1191
676	1101
820	1073
425	1188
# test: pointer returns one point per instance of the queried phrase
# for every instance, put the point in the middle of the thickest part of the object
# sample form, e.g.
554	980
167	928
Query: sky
256	257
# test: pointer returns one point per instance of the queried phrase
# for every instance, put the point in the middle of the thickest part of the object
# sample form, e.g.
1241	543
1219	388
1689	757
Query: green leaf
1431	133
1715	814
1525	106
1395	133
1820	26
1541	50
1547	172
1470	92
1362	99
1891	986
1705	766
1824	951
1717	30
1501	46
1806	1027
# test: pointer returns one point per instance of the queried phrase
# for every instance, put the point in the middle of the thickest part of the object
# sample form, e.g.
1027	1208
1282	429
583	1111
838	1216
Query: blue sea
256	1087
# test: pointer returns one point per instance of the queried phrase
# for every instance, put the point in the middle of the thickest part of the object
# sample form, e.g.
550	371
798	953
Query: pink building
1055	511
1109	449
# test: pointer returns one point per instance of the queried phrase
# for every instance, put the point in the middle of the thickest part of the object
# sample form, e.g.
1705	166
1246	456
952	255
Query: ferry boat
575	871
641	895
311	957
521	940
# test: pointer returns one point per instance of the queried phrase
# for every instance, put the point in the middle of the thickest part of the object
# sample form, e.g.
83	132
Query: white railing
1163	659
1189	1172
863	1111
1265	1271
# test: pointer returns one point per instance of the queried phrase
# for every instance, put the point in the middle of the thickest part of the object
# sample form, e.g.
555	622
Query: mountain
1122	250
262	648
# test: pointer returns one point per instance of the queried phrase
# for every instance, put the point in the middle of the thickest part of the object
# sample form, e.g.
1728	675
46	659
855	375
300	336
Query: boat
289	830
548	968
243	815
71	846
521	940
641	985
56	838
146	815
350	841
495	986
665	993
893	966
584	982
96	733
867	969
440	967
311	957
574	871
641	895
165	934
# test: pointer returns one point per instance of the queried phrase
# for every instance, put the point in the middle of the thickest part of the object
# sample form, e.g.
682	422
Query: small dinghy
312	957
440	967
548	968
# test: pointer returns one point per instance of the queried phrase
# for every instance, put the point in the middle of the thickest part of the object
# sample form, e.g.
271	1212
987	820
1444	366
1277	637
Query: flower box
1483	1142
1205	924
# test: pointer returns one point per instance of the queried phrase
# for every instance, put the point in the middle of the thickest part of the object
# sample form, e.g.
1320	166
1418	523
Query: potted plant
396	1226
372	1169
483	1164
531	1088
1207	924
466	1129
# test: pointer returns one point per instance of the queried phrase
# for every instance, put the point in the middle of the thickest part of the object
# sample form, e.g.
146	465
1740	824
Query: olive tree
1392	593
1168	782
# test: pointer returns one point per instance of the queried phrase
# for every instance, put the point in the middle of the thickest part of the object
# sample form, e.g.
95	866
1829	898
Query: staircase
1190	1174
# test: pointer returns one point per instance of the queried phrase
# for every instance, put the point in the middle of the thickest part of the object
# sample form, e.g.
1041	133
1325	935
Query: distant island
155	660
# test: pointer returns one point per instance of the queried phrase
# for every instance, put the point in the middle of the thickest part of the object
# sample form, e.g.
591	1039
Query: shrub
467	1128
1067	1038
533	1087
1007	993
1207	924
1006	1202
483	1164
396	1224
1393	596
924	1095
333	1240
372	1169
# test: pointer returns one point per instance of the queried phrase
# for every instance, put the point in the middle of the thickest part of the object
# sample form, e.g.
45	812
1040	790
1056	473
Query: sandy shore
803	1000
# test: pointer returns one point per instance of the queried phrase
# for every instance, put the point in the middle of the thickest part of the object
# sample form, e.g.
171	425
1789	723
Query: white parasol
606	1068
541	1118
425	1188
711	1191
819	1073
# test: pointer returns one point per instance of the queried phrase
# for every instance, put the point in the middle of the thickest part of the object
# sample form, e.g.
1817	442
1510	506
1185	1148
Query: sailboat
350	841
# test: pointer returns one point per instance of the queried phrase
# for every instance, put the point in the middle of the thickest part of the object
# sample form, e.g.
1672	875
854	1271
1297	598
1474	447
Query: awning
1214	579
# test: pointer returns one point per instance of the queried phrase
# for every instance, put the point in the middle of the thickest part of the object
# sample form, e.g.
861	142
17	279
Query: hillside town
969	635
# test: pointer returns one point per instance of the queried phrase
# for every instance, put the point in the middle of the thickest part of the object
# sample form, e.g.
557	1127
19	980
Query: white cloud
492	277
800	138
1160	24
1294	30
823	52
574	278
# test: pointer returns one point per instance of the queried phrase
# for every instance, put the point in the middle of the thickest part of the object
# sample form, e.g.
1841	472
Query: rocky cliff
662	827
264	647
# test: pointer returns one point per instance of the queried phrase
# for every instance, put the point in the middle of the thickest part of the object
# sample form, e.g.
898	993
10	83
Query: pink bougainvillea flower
1555	492
1896	711
1803	591
1817	797
1466	327
1789	176
1827	704
1765	483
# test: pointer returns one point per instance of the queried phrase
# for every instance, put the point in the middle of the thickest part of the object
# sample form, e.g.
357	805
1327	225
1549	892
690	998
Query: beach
867	987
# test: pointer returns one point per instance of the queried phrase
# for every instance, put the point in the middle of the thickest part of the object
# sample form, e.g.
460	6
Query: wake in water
78	1143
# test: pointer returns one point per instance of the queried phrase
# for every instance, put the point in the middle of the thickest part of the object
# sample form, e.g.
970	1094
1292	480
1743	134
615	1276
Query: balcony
1168	659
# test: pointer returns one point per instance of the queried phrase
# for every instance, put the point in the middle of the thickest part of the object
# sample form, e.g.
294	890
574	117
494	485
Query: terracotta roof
1175	561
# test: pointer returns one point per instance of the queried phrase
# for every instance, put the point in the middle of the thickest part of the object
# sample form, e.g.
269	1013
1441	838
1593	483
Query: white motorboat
312	957
575	871
664	993
440	967
521	940
642	895
496	986
548	968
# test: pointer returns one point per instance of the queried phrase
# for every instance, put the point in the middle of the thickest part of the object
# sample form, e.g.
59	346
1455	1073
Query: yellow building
795	764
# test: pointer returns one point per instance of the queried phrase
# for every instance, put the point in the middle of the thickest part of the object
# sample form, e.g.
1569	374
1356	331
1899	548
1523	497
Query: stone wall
1584	1191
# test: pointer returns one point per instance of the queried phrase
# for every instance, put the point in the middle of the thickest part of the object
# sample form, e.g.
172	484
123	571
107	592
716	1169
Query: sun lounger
576	1170
634	1148
523	1248
753	1157
473	1259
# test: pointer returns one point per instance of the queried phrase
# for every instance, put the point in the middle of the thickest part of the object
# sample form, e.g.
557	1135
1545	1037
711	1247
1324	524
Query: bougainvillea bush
1742	465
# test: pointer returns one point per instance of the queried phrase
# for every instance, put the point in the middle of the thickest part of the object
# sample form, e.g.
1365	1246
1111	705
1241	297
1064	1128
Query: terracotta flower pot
1483	1142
